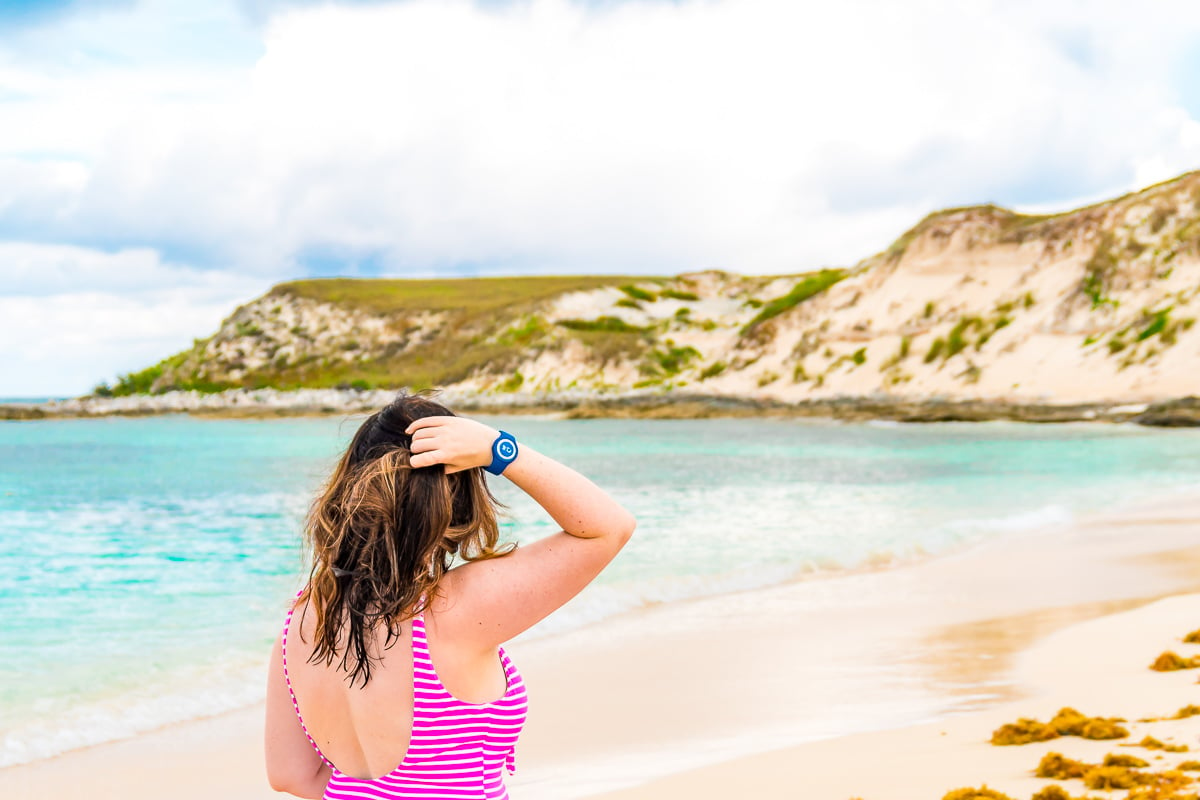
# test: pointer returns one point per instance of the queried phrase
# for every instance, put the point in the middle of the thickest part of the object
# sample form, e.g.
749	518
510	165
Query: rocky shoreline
644	404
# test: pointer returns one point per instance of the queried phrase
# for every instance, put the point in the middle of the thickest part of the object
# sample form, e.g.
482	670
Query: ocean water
145	563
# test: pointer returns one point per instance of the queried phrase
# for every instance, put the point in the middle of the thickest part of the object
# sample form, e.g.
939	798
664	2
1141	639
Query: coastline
1075	667
697	696
631	403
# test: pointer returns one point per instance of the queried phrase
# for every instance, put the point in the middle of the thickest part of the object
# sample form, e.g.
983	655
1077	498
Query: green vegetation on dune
143	381
468	296
461	346
525	332
444	359
668	361
1157	324
638	294
606	324
810	286
385	333
969	331
1098	272
610	345
1009	225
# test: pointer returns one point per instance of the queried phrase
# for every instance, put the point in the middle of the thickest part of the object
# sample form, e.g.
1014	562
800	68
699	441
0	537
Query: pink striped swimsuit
458	750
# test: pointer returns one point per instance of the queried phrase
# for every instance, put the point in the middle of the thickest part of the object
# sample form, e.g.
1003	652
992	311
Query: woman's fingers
424	422
444	440
422	438
425	433
426	459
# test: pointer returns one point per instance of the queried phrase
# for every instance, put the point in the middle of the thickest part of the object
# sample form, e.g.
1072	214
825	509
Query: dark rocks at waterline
14	411
855	409
641	404
1181	413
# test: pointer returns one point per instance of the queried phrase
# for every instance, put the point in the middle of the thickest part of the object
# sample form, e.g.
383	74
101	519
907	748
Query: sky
163	161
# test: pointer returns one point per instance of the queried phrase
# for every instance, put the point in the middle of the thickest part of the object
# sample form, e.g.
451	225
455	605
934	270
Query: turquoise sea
145	563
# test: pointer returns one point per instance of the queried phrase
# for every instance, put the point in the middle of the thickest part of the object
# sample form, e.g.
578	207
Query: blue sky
162	161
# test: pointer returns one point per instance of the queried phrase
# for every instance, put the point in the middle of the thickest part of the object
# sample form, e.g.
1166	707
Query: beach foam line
193	694
665	658
603	601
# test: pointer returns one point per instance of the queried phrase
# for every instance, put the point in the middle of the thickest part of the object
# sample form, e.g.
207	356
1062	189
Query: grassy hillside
972	303
423	333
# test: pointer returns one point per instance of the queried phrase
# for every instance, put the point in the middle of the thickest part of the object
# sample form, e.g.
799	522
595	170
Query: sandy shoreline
1099	667
781	692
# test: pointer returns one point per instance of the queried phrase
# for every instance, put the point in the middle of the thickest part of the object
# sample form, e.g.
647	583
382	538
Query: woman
389	679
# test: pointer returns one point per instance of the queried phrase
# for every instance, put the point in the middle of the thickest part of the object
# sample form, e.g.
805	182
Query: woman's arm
293	766
496	599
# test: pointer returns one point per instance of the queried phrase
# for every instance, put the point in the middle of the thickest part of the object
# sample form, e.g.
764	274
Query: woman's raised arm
496	599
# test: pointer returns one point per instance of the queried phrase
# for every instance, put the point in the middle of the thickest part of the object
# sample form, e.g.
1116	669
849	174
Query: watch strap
504	452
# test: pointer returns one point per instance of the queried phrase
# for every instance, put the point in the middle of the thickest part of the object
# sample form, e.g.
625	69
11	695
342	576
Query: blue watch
504	452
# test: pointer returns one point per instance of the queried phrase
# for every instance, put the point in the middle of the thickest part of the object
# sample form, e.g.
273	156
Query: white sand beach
783	692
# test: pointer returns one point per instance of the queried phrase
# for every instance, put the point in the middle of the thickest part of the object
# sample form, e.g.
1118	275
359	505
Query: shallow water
144	563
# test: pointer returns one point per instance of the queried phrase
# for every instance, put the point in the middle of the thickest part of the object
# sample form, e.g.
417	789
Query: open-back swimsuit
458	750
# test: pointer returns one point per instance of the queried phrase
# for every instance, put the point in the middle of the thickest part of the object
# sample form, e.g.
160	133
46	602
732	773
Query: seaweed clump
1059	767
1150	743
1067	722
1052	792
1117	772
1162	786
1114	778
982	793
1169	662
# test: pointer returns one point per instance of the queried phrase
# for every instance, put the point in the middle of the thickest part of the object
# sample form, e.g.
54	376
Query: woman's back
375	702
406	734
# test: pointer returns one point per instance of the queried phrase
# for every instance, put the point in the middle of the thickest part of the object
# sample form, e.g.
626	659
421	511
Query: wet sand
884	683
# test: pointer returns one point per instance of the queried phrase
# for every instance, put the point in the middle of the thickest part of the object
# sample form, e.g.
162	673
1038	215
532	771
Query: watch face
506	449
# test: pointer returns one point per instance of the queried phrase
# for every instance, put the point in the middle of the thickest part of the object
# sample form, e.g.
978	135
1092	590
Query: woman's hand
458	442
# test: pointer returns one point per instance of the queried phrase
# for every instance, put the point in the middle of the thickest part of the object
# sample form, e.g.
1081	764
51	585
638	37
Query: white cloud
550	136
40	270
759	135
71	317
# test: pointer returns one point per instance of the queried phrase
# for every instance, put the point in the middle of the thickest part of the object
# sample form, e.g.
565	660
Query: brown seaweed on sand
1052	792
1067	722
982	793
1169	662
1150	743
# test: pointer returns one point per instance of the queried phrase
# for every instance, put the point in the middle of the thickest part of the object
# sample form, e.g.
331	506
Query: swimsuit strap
288	680
420	643
426	707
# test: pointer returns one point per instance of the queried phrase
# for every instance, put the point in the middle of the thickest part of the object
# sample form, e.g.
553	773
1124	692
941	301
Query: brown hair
383	533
